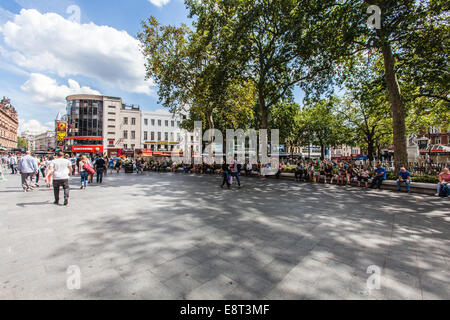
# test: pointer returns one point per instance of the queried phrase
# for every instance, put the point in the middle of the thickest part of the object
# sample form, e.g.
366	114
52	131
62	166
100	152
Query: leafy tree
405	41
22	143
274	45
323	126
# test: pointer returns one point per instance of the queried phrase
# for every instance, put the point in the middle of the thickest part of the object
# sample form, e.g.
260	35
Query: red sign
83	138
62	126
87	149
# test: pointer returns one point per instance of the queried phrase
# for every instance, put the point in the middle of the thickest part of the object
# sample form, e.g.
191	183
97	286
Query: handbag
88	168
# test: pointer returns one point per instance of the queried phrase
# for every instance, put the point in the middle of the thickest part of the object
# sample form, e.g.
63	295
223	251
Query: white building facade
161	131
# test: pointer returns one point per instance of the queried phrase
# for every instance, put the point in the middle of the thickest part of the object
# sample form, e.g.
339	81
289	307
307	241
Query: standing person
378	177
36	160
111	164
73	163
100	167
404	177
235	170
12	161
61	169
91	162
118	165
83	172
48	174
105	170
27	169
225	175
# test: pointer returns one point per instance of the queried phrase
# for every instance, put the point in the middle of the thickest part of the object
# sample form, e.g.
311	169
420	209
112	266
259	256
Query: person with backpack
85	170
443	189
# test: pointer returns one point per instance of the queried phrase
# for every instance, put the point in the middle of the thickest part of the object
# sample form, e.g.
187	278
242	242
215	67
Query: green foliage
323	126
22	142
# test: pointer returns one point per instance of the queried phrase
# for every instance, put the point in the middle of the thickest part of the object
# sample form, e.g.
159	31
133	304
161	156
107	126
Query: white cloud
46	91
35	127
49	42
159	3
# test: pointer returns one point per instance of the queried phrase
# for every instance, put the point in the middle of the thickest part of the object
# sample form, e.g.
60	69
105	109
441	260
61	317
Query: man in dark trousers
100	168
225	174
61	169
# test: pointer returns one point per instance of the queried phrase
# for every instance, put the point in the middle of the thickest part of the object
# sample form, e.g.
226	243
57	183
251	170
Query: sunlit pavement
175	236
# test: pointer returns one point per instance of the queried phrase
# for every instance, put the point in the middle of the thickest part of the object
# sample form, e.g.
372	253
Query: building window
125	134
159	123
166	136
125	146
112	107
159	136
171	136
111	119
111	113
132	146
145	135
153	122
178	124
167	123
172	123
146	122
152	135
178	137
133	135
125	120
145	146
133	121
111	126
438	141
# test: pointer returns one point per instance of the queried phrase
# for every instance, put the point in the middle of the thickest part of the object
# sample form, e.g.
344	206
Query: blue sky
52	48
41	62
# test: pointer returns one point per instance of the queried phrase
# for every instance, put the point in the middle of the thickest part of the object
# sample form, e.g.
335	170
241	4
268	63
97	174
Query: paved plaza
176	236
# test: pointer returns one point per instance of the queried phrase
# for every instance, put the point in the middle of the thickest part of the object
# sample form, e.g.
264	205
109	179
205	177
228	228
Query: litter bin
128	168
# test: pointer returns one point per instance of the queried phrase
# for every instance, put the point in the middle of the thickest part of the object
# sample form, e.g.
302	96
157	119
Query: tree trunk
263	109
397	109
210	119
370	150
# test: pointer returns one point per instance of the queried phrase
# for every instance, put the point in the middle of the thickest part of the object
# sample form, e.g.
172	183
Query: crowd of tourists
56	170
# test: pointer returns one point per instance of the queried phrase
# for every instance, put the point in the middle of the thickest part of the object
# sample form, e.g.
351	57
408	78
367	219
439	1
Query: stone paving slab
176	236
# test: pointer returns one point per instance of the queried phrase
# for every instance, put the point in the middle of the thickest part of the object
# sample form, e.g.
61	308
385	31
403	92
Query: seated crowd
342	173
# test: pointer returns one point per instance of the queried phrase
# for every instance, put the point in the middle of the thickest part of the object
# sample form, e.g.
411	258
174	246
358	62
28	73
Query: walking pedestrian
27	169
61	168
83	172
100	168
225	175
12	161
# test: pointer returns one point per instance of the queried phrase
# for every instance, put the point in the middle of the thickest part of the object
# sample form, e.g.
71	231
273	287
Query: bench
416	187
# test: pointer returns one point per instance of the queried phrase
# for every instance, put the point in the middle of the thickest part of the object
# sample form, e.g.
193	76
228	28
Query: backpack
444	190
88	168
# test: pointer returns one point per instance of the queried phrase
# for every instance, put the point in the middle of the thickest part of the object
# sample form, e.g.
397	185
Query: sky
50	49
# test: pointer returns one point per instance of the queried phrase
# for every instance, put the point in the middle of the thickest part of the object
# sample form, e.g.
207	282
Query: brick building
9	124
